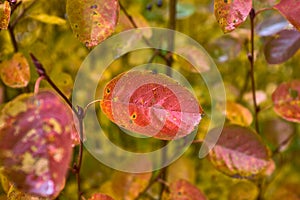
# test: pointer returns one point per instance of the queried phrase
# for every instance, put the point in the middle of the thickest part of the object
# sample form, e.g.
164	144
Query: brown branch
251	60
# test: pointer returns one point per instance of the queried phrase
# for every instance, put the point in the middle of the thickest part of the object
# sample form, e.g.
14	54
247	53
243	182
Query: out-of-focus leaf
290	10
240	152
271	25
261	97
28	31
14	194
92	21
125	24
4	14
231	14
99	196
184	10
278	133
36	143
128	185
282	46
243	190
48	19
183	168
15	72
183	190
150	113
225	48
63	81
195	57
286	99
5	183
238	114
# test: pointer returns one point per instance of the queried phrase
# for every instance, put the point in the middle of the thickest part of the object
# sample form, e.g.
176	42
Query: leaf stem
251	74
79	114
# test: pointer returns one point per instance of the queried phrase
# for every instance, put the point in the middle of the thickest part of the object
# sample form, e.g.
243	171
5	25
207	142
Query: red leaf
282	46
290	9
240	152
231	14
4	14
15	72
286	99
183	190
151	104
99	196
92	21
35	143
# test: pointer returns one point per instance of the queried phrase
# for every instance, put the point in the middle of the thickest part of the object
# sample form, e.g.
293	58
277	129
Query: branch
251	60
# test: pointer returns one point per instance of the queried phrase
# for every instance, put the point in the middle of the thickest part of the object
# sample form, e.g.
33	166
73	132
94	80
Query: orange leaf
4	15
15	72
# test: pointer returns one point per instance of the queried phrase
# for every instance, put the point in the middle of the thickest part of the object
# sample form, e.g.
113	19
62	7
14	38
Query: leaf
195	57
286	100
48	19
151	104
129	185
92	21
243	190
282	46
15	72
278	133
231	14
99	196
35	143
4	14
14	194
125	24
290	10
184	10
187	170
271	25
240	152
238	114
183	190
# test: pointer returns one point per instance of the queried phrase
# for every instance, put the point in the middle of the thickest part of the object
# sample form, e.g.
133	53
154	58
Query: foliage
42	45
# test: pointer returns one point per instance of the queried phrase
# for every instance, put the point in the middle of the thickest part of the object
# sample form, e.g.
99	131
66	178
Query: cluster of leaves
37	130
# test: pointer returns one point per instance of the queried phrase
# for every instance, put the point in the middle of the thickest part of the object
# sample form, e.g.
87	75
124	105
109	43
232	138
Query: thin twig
251	60
37	84
21	15
13	38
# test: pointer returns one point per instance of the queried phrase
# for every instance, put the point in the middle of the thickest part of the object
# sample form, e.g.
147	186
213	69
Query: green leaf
92	21
240	152
36	143
290	10
4	14
15	72
48	19
282	46
286	101
231	14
